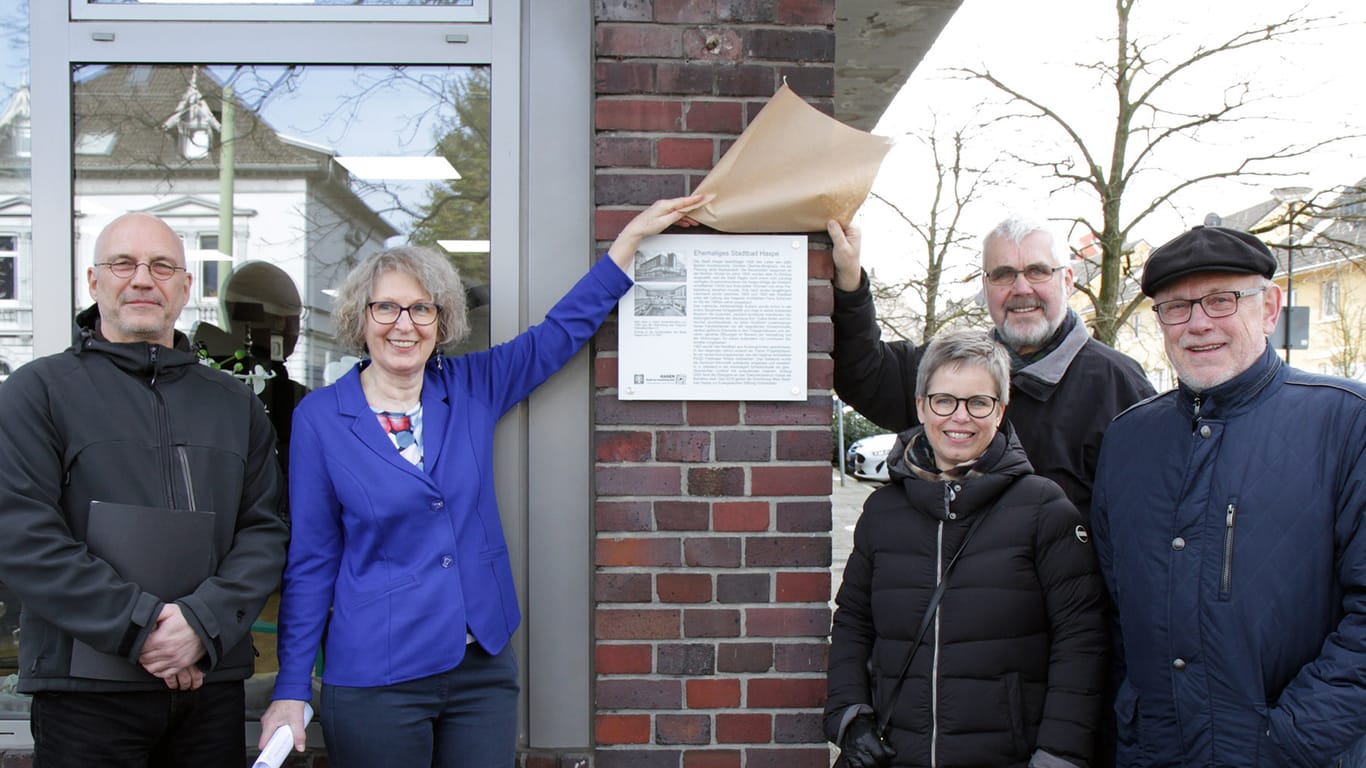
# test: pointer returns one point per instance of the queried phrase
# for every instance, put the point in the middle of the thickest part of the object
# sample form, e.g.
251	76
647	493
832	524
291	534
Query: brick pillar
713	518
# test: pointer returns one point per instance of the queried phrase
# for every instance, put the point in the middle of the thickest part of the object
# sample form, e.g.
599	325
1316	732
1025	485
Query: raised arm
877	378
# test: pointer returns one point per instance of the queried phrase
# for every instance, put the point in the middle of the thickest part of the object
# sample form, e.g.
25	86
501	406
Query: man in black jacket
1065	386
107	449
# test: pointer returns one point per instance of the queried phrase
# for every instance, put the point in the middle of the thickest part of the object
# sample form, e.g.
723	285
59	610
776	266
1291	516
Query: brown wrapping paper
792	170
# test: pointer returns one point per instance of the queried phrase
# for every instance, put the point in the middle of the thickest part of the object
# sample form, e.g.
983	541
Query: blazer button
438	504
447	561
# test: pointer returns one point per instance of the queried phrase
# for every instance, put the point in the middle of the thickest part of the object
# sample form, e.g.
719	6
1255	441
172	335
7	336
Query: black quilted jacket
1015	658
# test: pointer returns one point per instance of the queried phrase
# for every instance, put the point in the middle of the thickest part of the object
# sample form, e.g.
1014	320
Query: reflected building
16	235
149	138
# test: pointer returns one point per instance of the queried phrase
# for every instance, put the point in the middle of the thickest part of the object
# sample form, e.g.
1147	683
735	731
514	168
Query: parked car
867	458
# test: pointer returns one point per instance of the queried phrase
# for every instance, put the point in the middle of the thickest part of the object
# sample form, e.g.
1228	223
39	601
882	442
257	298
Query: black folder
167	552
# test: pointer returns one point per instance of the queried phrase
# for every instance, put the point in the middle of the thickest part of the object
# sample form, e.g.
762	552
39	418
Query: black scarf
1018	361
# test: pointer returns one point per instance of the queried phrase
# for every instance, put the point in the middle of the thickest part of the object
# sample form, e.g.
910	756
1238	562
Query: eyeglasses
387	312
1034	273
161	270
979	406
1217	304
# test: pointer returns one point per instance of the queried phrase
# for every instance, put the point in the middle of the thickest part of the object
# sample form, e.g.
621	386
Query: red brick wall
713	518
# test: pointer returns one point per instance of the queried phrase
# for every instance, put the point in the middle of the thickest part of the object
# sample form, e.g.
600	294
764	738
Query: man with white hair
1065	386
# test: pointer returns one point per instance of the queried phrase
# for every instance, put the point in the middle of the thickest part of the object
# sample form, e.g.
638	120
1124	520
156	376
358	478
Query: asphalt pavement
846	502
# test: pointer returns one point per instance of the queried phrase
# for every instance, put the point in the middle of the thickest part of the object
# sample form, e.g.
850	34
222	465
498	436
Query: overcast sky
1309	89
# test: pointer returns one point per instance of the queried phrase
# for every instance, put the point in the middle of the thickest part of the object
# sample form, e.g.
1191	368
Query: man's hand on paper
848	271
652	221
288	712
171	648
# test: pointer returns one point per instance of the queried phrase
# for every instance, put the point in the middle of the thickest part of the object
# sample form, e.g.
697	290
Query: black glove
861	747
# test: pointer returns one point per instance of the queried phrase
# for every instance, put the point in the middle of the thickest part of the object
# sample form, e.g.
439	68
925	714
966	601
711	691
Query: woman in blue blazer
395	526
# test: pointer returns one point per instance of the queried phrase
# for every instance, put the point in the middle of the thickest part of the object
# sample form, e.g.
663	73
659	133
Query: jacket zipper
1195	414
1226	573
949	495
185	474
163	427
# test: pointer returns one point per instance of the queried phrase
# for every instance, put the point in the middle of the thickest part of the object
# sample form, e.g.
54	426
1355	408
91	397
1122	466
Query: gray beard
1032	340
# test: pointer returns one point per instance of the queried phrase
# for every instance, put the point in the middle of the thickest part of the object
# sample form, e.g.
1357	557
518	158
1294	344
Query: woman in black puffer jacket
1011	667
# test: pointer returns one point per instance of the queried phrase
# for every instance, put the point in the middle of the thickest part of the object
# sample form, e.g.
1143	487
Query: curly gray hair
433	271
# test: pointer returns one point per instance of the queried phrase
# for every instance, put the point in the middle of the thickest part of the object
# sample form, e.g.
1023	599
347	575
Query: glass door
277	176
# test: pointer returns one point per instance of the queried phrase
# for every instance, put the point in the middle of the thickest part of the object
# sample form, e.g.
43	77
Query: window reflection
159	139
249	164
16	302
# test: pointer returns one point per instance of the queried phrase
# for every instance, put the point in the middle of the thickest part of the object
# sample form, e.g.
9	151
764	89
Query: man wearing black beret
1228	522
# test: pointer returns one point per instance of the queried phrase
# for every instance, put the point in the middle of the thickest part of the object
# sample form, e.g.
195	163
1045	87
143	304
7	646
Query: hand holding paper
652	221
282	729
846	240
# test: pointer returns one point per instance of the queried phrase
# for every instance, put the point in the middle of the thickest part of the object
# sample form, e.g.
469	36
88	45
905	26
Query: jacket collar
139	358
435	415
1041	377
939	495
1238	393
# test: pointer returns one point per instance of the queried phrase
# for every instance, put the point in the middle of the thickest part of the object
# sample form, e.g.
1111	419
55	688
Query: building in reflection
148	138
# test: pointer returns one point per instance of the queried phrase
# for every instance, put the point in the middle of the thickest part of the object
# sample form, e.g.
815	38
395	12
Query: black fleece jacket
140	424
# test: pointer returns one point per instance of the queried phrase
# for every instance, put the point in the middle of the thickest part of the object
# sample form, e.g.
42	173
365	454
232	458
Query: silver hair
1015	229
433	271
966	346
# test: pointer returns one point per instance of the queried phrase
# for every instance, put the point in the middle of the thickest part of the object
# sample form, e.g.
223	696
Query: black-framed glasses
1034	273
1217	304
387	312
979	406
121	268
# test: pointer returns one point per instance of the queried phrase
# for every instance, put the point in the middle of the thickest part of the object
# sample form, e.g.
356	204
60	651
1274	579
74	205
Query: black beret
1207	249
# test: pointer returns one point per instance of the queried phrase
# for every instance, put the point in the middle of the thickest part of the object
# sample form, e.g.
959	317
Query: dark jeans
464	717
143	729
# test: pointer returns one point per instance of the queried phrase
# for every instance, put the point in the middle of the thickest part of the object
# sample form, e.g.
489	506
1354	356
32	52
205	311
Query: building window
209	266
1329	294
9	267
23	138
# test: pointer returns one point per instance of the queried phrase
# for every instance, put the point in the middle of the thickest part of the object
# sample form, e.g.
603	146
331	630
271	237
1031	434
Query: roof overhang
878	43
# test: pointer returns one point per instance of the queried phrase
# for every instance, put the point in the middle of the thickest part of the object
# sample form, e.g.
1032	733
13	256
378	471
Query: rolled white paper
281	743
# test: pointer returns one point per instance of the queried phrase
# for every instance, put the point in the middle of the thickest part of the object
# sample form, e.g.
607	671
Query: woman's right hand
288	712
652	221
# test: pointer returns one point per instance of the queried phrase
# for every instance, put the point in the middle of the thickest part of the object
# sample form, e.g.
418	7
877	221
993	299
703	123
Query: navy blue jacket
1229	529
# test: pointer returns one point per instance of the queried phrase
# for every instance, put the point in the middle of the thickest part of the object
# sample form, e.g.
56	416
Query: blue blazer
407	559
